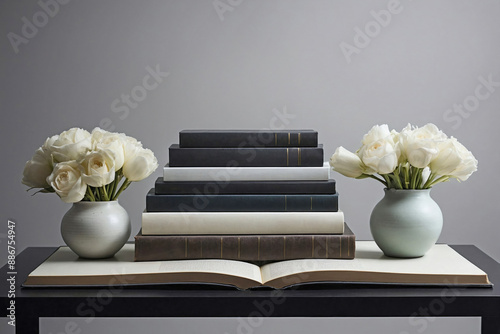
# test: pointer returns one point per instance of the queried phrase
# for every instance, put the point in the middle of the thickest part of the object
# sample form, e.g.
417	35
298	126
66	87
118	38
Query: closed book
244	187
223	175
241	202
171	223
253	248
248	138
246	156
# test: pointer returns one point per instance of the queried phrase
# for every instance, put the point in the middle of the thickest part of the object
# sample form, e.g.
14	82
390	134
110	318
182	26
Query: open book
440	266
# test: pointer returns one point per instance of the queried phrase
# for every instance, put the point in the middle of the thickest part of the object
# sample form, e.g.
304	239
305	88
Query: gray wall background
234	69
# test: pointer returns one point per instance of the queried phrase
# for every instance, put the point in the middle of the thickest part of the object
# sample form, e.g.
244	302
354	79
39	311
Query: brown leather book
252	248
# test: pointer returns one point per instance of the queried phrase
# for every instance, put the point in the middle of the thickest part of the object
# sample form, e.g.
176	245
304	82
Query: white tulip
380	156
376	133
98	168
139	162
111	142
454	160
448	158
379	152
67	182
72	144
420	145
38	169
346	163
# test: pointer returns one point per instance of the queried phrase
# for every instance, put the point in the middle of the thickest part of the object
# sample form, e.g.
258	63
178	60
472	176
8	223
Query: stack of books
256	196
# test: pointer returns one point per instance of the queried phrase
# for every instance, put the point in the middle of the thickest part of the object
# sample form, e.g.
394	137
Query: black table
329	300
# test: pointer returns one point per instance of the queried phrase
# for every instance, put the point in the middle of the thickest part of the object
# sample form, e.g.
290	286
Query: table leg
490	325
28	324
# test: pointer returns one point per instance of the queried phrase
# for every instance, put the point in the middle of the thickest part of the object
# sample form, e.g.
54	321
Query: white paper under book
440	266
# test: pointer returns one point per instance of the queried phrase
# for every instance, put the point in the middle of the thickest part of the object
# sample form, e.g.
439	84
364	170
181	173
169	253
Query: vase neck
403	193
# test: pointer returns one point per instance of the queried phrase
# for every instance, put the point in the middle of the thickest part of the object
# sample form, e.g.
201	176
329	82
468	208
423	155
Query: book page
65	268
439	265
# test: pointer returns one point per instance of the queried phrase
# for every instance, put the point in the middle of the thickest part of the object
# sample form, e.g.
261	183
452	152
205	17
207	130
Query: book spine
244	187
298	138
189	223
235	203
223	175
246	157
245	247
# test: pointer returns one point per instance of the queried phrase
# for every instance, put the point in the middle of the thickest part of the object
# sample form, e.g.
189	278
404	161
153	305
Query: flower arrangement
82	166
415	158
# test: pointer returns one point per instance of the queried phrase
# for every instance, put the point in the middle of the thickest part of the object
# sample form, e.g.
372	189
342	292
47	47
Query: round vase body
96	230
406	222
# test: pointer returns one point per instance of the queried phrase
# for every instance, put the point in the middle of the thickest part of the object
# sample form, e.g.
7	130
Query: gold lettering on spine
258	248
299	139
312	248
287	156
289	138
299	159
284	248
327	247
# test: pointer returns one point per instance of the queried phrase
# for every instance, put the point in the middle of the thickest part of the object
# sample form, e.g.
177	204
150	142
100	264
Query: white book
188	223
226	174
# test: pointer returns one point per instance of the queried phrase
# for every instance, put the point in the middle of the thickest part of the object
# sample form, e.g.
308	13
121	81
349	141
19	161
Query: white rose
380	156
346	163
420	145
67	182
98	168
111	142
72	144
376	133
454	160
38	169
139	162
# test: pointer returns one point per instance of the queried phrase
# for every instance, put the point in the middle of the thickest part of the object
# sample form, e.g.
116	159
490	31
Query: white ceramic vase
406	222
96	229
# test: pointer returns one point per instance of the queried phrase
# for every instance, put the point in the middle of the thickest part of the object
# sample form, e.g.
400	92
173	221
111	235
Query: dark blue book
246	156
243	187
248	138
241	203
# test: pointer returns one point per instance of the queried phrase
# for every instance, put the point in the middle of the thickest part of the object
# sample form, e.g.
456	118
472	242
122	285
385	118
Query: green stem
124	186
387	180
378	179
414	176
89	194
429	181
441	179
397	177
104	193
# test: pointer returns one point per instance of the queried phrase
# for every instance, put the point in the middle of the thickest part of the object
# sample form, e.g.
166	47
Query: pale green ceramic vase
406	223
